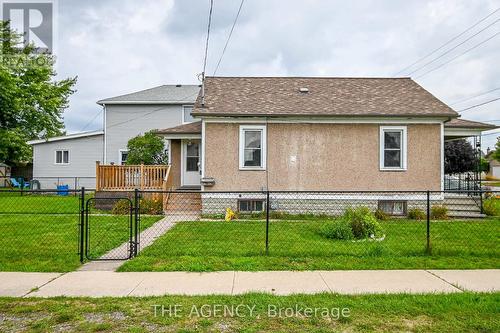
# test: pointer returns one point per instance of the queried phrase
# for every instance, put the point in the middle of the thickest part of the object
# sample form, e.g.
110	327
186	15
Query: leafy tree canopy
496	153
459	156
146	149
31	100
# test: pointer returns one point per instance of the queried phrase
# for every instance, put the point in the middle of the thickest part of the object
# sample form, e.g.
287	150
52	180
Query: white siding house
58	161
67	160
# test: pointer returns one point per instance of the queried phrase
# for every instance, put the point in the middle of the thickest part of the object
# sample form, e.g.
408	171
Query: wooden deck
131	177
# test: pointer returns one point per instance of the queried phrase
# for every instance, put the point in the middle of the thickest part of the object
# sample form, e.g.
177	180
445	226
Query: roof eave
104	102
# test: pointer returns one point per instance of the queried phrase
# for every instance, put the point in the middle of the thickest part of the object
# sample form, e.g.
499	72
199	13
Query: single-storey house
313	134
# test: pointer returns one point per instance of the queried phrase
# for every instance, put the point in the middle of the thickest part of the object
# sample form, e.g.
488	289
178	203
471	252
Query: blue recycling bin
62	189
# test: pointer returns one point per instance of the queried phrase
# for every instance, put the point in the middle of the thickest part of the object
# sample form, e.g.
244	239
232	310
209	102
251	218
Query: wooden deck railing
130	177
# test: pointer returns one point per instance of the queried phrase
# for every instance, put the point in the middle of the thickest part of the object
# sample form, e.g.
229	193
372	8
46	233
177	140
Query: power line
480	104
458	56
453	48
474	96
229	37
208	37
150	112
448	42
91	121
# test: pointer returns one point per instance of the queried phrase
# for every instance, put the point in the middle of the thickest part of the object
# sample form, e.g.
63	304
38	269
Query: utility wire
458	56
480	104
473	96
208	37
149	113
453	48
229	37
448	42
91	121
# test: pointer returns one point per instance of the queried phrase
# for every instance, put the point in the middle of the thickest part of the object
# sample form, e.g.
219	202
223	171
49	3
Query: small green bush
439	212
339	229
491	206
356	223
121	207
381	215
151	207
363	223
416	214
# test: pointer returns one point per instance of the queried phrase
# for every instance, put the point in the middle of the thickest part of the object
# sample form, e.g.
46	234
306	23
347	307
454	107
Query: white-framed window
393	207
186	114
123	154
252	150
250	206
62	156
393	152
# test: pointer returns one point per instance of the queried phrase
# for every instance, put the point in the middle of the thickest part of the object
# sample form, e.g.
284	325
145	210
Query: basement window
392	207
250	206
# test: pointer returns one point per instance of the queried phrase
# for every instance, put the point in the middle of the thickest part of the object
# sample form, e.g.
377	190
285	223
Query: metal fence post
428	247
136	221
82	222
481	199
267	221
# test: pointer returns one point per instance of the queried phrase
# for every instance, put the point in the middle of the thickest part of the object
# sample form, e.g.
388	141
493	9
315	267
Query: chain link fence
55	230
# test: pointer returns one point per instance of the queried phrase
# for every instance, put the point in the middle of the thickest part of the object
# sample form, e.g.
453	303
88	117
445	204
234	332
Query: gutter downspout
105	153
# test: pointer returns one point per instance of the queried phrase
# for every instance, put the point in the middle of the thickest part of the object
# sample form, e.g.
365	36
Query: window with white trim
62	157
393	147
250	206
123	156
186	114
393	207
252	147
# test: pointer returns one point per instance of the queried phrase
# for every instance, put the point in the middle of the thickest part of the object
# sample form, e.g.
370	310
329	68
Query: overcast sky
121	46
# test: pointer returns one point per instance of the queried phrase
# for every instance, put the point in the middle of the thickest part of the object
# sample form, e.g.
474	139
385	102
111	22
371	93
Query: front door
191	162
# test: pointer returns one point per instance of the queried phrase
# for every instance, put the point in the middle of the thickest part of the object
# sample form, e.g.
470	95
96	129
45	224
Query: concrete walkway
103	283
146	238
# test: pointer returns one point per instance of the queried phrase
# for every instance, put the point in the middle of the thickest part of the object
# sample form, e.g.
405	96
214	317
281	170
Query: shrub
363	223
121	207
356	223
439	212
491	206
381	215
151	206
416	214
339	229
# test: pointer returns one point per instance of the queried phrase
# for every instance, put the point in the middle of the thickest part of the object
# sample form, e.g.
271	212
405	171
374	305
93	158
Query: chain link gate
109	227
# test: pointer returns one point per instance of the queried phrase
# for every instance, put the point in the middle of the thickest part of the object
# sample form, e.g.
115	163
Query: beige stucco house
315	134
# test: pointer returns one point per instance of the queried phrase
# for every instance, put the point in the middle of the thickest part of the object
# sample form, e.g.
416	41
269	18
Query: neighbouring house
67	160
313	134
72	159
494	169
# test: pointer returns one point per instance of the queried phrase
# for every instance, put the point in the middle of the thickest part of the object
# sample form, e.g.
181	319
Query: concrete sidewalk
102	283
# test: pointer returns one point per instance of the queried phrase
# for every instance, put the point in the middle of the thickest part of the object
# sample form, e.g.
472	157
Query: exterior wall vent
304	90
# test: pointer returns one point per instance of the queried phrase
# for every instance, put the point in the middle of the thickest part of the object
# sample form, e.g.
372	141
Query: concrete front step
184	202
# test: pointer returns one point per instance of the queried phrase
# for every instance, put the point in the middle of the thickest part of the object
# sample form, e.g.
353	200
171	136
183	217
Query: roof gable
282	96
165	94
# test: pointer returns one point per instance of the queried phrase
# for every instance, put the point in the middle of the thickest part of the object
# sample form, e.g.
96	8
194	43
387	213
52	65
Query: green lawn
49	243
298	245
463	312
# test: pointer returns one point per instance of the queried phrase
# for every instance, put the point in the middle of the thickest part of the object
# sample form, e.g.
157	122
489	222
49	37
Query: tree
146	149
31	100
496	153
459	156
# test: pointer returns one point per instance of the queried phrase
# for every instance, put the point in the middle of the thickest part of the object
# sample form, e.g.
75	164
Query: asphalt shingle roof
191	128
464	123
280	96
162	94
